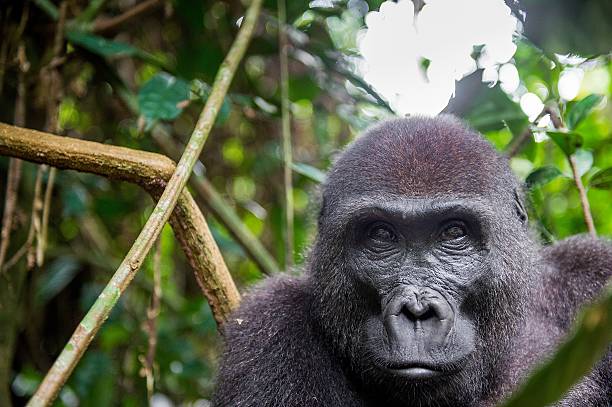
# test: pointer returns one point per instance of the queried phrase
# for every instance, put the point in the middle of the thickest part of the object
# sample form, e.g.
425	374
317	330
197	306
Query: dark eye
453	231
382	232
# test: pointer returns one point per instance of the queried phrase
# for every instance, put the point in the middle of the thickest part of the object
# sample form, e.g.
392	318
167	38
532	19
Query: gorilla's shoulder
582	258
275	304
578	269
272	354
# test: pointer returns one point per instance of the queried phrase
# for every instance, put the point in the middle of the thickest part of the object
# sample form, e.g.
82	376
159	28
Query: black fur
317	340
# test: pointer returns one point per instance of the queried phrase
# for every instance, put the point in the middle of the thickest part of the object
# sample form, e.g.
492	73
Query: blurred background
136	74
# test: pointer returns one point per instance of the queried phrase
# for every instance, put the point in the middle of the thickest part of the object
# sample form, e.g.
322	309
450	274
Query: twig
54	97
109	24
42	242
34	224
150	327
584	200
15	164
516	144
221	209
72	352
286	131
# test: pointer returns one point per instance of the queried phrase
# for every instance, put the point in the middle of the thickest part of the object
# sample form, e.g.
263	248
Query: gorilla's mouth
420	371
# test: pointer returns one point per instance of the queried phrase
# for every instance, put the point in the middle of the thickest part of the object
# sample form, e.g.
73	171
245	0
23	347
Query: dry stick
108	24
221	210
15	164
286	130
54	97
584	200
25	249
150	328
72	352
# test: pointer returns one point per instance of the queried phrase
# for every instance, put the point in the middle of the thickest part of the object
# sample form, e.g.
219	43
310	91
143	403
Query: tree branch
91	323
109	24
148	170
221	209
584	200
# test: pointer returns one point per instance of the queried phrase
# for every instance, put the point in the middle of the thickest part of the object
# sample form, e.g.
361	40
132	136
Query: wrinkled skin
424	286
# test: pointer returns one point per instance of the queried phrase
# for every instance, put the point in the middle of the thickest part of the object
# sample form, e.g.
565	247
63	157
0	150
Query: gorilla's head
422	264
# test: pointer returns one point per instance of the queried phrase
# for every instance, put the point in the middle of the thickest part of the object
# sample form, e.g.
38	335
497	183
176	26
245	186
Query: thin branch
15	164
46	210
516	144
109	24
584	200
85	332
150	327
283	46
35	220
54	97
34	225
221	209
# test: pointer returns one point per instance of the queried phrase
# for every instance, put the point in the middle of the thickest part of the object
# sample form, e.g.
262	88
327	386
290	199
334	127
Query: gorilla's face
421	265
414	262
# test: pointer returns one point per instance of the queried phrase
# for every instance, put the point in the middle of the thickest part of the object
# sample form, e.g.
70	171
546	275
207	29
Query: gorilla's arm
273	356
581	267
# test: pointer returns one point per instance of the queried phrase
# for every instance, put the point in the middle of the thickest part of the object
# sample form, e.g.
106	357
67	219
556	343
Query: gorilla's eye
382	232
453	231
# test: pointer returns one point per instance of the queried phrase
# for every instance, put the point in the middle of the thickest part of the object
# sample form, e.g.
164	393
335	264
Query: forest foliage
141	80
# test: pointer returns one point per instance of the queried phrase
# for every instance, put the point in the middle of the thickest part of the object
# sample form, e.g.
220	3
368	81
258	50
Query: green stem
286	131
48	7
91	323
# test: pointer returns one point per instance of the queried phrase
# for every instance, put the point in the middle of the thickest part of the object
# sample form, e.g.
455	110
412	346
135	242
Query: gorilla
424	287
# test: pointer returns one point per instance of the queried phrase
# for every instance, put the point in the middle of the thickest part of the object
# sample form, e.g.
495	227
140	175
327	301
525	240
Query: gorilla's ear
321	208
521	212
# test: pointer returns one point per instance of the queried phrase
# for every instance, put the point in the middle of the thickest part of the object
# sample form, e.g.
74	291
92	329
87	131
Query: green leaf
574	358
569	142
160	98
101	46
309	171
602	179
581	110
107	48
542	176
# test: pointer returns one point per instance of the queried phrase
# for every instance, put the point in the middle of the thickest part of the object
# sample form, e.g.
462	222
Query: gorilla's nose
417	318
418	309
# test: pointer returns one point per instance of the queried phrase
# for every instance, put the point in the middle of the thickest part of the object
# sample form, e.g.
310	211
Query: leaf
542	176
590	338
569	142
161	97
581	110
309	171
602	179
584	161
107	48
101	46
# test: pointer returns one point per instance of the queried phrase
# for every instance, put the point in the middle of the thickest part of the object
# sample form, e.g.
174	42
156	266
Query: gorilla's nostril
419	311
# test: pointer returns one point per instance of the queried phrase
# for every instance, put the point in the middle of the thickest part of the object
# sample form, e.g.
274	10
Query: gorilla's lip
419	371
